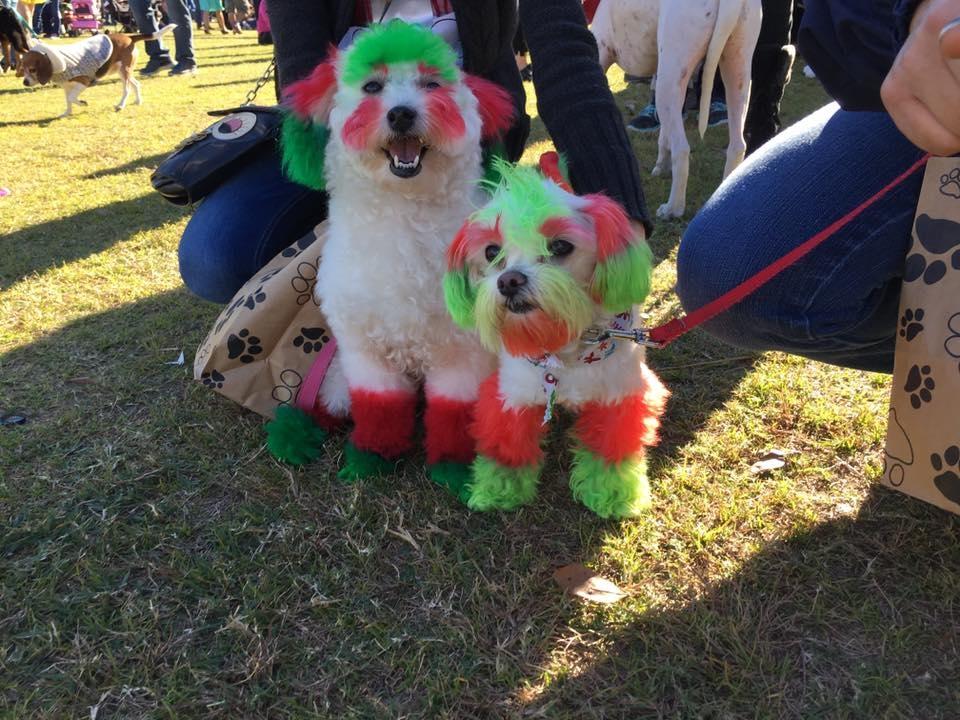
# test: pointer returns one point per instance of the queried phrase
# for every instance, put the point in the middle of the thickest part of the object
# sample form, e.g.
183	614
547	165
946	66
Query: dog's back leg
735	69
128	80
682	41
603	32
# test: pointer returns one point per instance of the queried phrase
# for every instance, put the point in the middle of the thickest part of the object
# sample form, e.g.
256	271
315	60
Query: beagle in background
76	66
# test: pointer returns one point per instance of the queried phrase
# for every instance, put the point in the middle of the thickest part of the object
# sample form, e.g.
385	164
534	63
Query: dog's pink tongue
405	149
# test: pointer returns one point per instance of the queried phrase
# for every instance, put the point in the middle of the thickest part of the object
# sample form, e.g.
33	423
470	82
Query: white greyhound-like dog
669	39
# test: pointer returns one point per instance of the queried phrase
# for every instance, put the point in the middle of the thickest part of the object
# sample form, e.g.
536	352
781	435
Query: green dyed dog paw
497	487
360	464
611	490
453	476
293	437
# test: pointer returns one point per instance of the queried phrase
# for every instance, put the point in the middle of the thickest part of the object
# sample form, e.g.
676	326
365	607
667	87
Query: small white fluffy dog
543	275
397	129
669	39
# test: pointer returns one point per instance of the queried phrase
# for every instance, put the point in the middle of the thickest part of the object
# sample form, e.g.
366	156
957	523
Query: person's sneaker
646	120
181	69
718	114
155	65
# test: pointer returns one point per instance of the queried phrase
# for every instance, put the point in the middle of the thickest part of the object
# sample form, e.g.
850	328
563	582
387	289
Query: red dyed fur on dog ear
496	105
312	97
614	233
550	168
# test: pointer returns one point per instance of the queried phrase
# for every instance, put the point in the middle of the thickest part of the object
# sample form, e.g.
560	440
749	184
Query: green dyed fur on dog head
397	42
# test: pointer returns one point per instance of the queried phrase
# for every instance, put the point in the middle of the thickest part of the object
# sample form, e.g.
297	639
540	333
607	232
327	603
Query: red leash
665	334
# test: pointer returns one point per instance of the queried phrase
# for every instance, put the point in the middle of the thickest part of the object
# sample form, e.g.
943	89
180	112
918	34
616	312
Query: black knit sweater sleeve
302	34
576	104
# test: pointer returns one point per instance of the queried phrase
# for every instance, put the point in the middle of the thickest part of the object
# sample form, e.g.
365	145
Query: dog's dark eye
491	252
431	85
373	87
560	248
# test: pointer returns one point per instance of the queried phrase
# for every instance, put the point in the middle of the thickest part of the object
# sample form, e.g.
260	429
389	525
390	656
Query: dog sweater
82	58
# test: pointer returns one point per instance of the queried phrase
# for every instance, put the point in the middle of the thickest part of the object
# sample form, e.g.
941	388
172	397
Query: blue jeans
239	227
838	304
182	34
46	18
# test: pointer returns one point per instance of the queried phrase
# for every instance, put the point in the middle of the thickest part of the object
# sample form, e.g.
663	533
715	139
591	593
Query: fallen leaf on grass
582	582
772	460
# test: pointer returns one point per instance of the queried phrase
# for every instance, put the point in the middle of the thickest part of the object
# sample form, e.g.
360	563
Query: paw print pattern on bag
920	385
952	343
225	316
948	467
304	283
950	183
311	339
213	379
243	345
910	323
937	237
286	392
298	247
257	296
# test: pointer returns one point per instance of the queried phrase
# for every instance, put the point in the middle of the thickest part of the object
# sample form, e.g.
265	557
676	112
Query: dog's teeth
396	160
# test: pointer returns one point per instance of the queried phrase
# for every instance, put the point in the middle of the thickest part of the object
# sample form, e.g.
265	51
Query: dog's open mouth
406	155
519	306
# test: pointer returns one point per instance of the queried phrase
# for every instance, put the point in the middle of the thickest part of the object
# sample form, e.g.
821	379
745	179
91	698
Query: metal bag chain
264	79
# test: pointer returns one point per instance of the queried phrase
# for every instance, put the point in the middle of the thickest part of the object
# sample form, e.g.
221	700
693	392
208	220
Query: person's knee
699	258
710	261
209	267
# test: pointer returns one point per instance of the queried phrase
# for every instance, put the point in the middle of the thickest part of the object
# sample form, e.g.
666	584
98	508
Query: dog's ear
495	105
304	135
458	293
553	166
311	99
624	261
44	69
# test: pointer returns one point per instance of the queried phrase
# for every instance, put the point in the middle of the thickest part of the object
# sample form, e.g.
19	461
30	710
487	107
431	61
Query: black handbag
203	161
207	158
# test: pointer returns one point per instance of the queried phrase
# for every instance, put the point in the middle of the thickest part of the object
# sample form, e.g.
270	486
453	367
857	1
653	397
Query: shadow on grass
42	122
16	90
246	81
238	61
147	161
37	248
854	617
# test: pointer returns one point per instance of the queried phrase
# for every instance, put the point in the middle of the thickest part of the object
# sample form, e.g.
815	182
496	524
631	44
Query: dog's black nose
511	283
401	118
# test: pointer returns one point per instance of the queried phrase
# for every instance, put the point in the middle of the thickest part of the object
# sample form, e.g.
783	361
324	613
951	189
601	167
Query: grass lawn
155	561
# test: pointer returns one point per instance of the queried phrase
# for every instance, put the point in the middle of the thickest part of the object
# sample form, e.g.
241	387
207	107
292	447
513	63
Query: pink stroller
85	16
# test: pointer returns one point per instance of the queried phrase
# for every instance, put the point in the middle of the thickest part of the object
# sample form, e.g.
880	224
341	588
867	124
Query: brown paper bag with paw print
922	455
266	339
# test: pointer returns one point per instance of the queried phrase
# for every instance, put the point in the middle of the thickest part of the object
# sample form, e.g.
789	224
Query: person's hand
922	90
